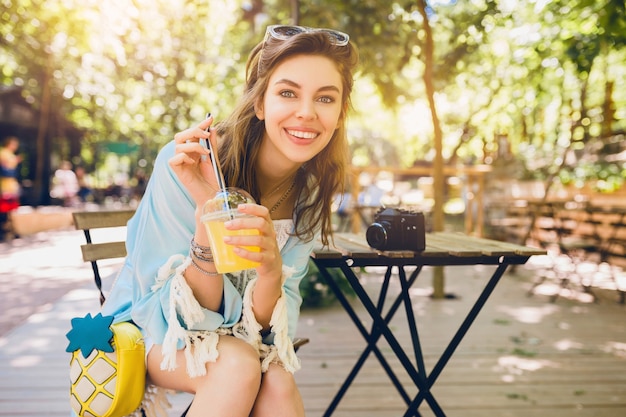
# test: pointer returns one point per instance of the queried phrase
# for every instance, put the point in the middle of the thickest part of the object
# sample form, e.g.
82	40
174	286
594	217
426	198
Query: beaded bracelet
203	271
202	253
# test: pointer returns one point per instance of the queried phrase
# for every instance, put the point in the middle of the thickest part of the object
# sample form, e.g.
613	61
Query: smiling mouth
303	135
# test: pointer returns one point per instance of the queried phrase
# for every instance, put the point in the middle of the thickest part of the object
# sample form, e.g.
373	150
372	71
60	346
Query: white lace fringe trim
201	346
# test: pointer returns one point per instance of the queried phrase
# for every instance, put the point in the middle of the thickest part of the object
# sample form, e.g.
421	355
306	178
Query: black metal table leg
456	340
419	380
371	347
373	337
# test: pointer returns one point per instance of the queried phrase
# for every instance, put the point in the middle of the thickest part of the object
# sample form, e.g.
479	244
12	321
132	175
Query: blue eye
287	93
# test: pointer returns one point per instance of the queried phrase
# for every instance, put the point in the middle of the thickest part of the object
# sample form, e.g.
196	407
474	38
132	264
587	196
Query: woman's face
301	109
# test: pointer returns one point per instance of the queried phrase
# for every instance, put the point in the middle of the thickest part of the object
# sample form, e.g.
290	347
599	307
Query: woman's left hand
268	256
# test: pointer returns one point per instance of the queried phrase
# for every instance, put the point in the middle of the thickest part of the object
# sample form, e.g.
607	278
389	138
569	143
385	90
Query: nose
306	110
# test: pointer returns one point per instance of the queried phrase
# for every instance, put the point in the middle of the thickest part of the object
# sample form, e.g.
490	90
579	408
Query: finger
195	133
192	149
206	123
246	240
254	210
250	255
261	248
181	159
261	224
257	217
191	135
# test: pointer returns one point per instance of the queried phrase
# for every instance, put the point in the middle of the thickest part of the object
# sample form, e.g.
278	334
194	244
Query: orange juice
226	260
216	211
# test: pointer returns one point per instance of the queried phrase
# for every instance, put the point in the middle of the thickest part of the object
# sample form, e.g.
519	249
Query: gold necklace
283	197
275	190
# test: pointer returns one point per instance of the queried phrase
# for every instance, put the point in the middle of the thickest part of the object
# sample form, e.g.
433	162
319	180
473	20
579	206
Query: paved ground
44	283
37	270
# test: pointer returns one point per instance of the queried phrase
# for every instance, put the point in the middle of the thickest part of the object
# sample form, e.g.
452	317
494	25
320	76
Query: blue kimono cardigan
151	291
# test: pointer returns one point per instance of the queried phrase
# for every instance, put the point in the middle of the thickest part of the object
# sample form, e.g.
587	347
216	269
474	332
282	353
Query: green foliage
125	71
315	291
537	73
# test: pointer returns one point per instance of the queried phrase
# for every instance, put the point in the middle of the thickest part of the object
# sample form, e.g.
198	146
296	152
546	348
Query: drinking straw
217	170
216	166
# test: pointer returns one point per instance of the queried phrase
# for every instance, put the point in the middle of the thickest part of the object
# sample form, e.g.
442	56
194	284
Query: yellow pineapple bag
107	368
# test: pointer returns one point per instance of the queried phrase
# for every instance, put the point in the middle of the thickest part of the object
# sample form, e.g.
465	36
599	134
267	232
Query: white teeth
302	135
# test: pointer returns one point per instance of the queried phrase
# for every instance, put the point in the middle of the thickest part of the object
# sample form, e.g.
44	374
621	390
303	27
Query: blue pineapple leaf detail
89	333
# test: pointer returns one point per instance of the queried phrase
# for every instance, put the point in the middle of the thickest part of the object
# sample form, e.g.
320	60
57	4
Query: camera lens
376	236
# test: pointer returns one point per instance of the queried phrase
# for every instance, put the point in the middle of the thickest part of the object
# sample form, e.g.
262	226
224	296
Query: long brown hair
319	179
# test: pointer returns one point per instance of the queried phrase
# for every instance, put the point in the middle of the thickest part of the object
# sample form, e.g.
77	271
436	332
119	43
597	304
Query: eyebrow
295	84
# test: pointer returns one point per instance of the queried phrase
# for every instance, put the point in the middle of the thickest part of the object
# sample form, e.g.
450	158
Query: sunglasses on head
284	32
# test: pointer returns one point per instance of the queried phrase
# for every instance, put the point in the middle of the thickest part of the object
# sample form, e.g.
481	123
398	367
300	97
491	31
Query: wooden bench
609	229
582	231
508	221
94	252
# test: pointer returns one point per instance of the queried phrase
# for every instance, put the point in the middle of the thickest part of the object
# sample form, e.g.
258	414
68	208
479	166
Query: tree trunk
42	131
295	12
438	178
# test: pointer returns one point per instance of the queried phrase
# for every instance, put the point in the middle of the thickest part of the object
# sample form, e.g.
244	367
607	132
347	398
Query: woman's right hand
194	171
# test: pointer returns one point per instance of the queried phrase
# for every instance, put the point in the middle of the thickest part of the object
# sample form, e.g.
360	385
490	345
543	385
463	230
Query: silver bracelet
201	257
202	253
204	271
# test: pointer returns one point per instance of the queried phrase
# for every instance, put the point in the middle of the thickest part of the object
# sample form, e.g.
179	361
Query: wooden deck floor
524	356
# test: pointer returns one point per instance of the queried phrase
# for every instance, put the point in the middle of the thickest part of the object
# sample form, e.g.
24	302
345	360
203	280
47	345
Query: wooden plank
437	244
325	253
454	246
84	220
472	246
434	250
499	401
467	370
97	251
493	247
354	245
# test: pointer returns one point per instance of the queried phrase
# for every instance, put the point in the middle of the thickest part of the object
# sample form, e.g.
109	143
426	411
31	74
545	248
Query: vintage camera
396	229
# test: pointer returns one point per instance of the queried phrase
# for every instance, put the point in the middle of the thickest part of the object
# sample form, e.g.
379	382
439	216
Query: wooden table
442	249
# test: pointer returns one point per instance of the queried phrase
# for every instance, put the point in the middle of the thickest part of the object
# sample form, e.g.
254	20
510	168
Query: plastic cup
217	211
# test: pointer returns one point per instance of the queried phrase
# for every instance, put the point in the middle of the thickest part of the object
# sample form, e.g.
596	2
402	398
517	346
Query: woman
227	338
9	185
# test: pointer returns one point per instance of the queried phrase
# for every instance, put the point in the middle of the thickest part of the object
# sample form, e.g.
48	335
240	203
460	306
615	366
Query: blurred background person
65	185
9	184
85	192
